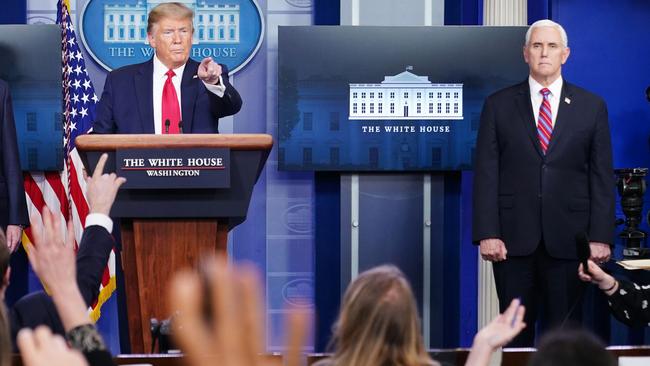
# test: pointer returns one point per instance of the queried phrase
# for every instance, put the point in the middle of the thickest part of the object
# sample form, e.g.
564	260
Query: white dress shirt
536	97
159	79
100	220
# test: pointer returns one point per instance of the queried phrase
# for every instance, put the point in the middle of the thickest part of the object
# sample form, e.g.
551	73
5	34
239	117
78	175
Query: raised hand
498	333
52	254
232	328
101	188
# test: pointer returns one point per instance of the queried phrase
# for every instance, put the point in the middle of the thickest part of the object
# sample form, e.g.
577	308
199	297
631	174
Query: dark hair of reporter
378	323
571	347
5	338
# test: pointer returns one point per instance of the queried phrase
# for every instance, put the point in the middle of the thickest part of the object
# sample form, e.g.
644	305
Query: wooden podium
164	230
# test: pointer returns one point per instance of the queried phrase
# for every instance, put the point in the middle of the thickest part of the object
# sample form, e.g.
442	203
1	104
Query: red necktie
544	121
170	108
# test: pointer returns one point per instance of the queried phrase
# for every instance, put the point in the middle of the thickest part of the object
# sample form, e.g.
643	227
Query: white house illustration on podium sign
213	23
406	96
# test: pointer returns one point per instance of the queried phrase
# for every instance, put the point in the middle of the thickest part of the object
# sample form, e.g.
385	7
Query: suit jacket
126	105
13	206
37	308
523	196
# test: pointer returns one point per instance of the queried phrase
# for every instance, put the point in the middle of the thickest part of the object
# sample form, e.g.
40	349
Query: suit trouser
548	287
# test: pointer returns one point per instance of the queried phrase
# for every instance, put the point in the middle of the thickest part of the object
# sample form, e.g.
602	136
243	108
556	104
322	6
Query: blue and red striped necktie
544	121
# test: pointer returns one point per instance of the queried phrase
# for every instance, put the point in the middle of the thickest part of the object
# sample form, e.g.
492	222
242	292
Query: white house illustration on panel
213	23
406	96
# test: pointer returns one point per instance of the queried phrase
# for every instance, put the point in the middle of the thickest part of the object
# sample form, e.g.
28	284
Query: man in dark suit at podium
13	206
543	174
170	93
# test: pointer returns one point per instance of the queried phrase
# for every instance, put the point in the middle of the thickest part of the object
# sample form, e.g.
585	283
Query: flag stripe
78	196
34	192
56	185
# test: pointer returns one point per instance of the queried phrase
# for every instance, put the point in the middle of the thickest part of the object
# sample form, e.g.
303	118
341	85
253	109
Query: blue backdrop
13	12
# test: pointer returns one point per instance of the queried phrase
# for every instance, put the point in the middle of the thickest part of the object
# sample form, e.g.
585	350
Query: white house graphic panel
213	23
406	96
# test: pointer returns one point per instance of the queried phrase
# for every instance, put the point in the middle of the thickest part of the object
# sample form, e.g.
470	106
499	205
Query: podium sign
174	168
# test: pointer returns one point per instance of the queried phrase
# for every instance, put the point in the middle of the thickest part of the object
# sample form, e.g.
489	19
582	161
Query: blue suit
126	105
13	206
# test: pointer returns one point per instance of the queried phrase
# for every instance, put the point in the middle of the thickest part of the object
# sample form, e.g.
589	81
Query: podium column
152	250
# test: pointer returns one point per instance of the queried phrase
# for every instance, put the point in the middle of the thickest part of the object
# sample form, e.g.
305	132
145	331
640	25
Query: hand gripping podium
164	229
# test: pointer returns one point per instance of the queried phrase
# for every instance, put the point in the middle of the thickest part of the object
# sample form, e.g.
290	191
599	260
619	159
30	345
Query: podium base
152	251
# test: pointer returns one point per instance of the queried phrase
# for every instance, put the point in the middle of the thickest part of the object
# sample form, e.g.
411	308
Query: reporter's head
571	347
379	322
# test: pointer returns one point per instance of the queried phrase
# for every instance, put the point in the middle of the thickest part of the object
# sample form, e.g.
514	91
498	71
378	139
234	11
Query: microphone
180	126
167	126
582	250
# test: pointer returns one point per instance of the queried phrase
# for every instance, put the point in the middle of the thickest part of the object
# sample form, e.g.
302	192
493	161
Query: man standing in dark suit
170	93
13	206
543	173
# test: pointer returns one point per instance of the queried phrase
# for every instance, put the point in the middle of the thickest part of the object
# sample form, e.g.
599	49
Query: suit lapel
144	94
189	90
564	112
527	117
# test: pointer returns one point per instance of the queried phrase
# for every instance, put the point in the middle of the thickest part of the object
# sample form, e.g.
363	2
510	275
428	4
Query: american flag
64	192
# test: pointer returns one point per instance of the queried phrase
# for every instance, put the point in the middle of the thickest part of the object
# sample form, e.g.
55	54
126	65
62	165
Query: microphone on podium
582	250
167	126
180	126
